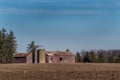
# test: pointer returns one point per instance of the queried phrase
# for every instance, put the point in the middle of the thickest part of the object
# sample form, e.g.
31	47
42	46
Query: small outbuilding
23	58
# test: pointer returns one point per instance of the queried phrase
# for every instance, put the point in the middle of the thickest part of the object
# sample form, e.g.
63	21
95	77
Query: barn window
61	59
51	59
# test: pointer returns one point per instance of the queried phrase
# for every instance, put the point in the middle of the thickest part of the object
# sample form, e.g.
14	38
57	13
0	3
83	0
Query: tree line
98	56
8	47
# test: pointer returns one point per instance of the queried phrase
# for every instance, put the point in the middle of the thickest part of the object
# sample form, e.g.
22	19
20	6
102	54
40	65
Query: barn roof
59	53
21	54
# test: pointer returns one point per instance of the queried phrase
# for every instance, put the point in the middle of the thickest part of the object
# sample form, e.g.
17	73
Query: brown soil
81	71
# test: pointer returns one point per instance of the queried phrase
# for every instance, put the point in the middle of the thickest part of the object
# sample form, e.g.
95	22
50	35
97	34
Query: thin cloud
45	11
43	0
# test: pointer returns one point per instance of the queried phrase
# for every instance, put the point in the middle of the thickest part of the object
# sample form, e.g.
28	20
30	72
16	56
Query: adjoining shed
23	58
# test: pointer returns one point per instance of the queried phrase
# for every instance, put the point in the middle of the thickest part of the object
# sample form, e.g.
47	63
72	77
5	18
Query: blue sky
63	24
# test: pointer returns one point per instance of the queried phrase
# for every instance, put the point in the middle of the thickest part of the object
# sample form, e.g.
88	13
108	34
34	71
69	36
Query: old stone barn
43	56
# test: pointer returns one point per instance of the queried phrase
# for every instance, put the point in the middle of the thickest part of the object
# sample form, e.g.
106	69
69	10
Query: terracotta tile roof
21	54
59	53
